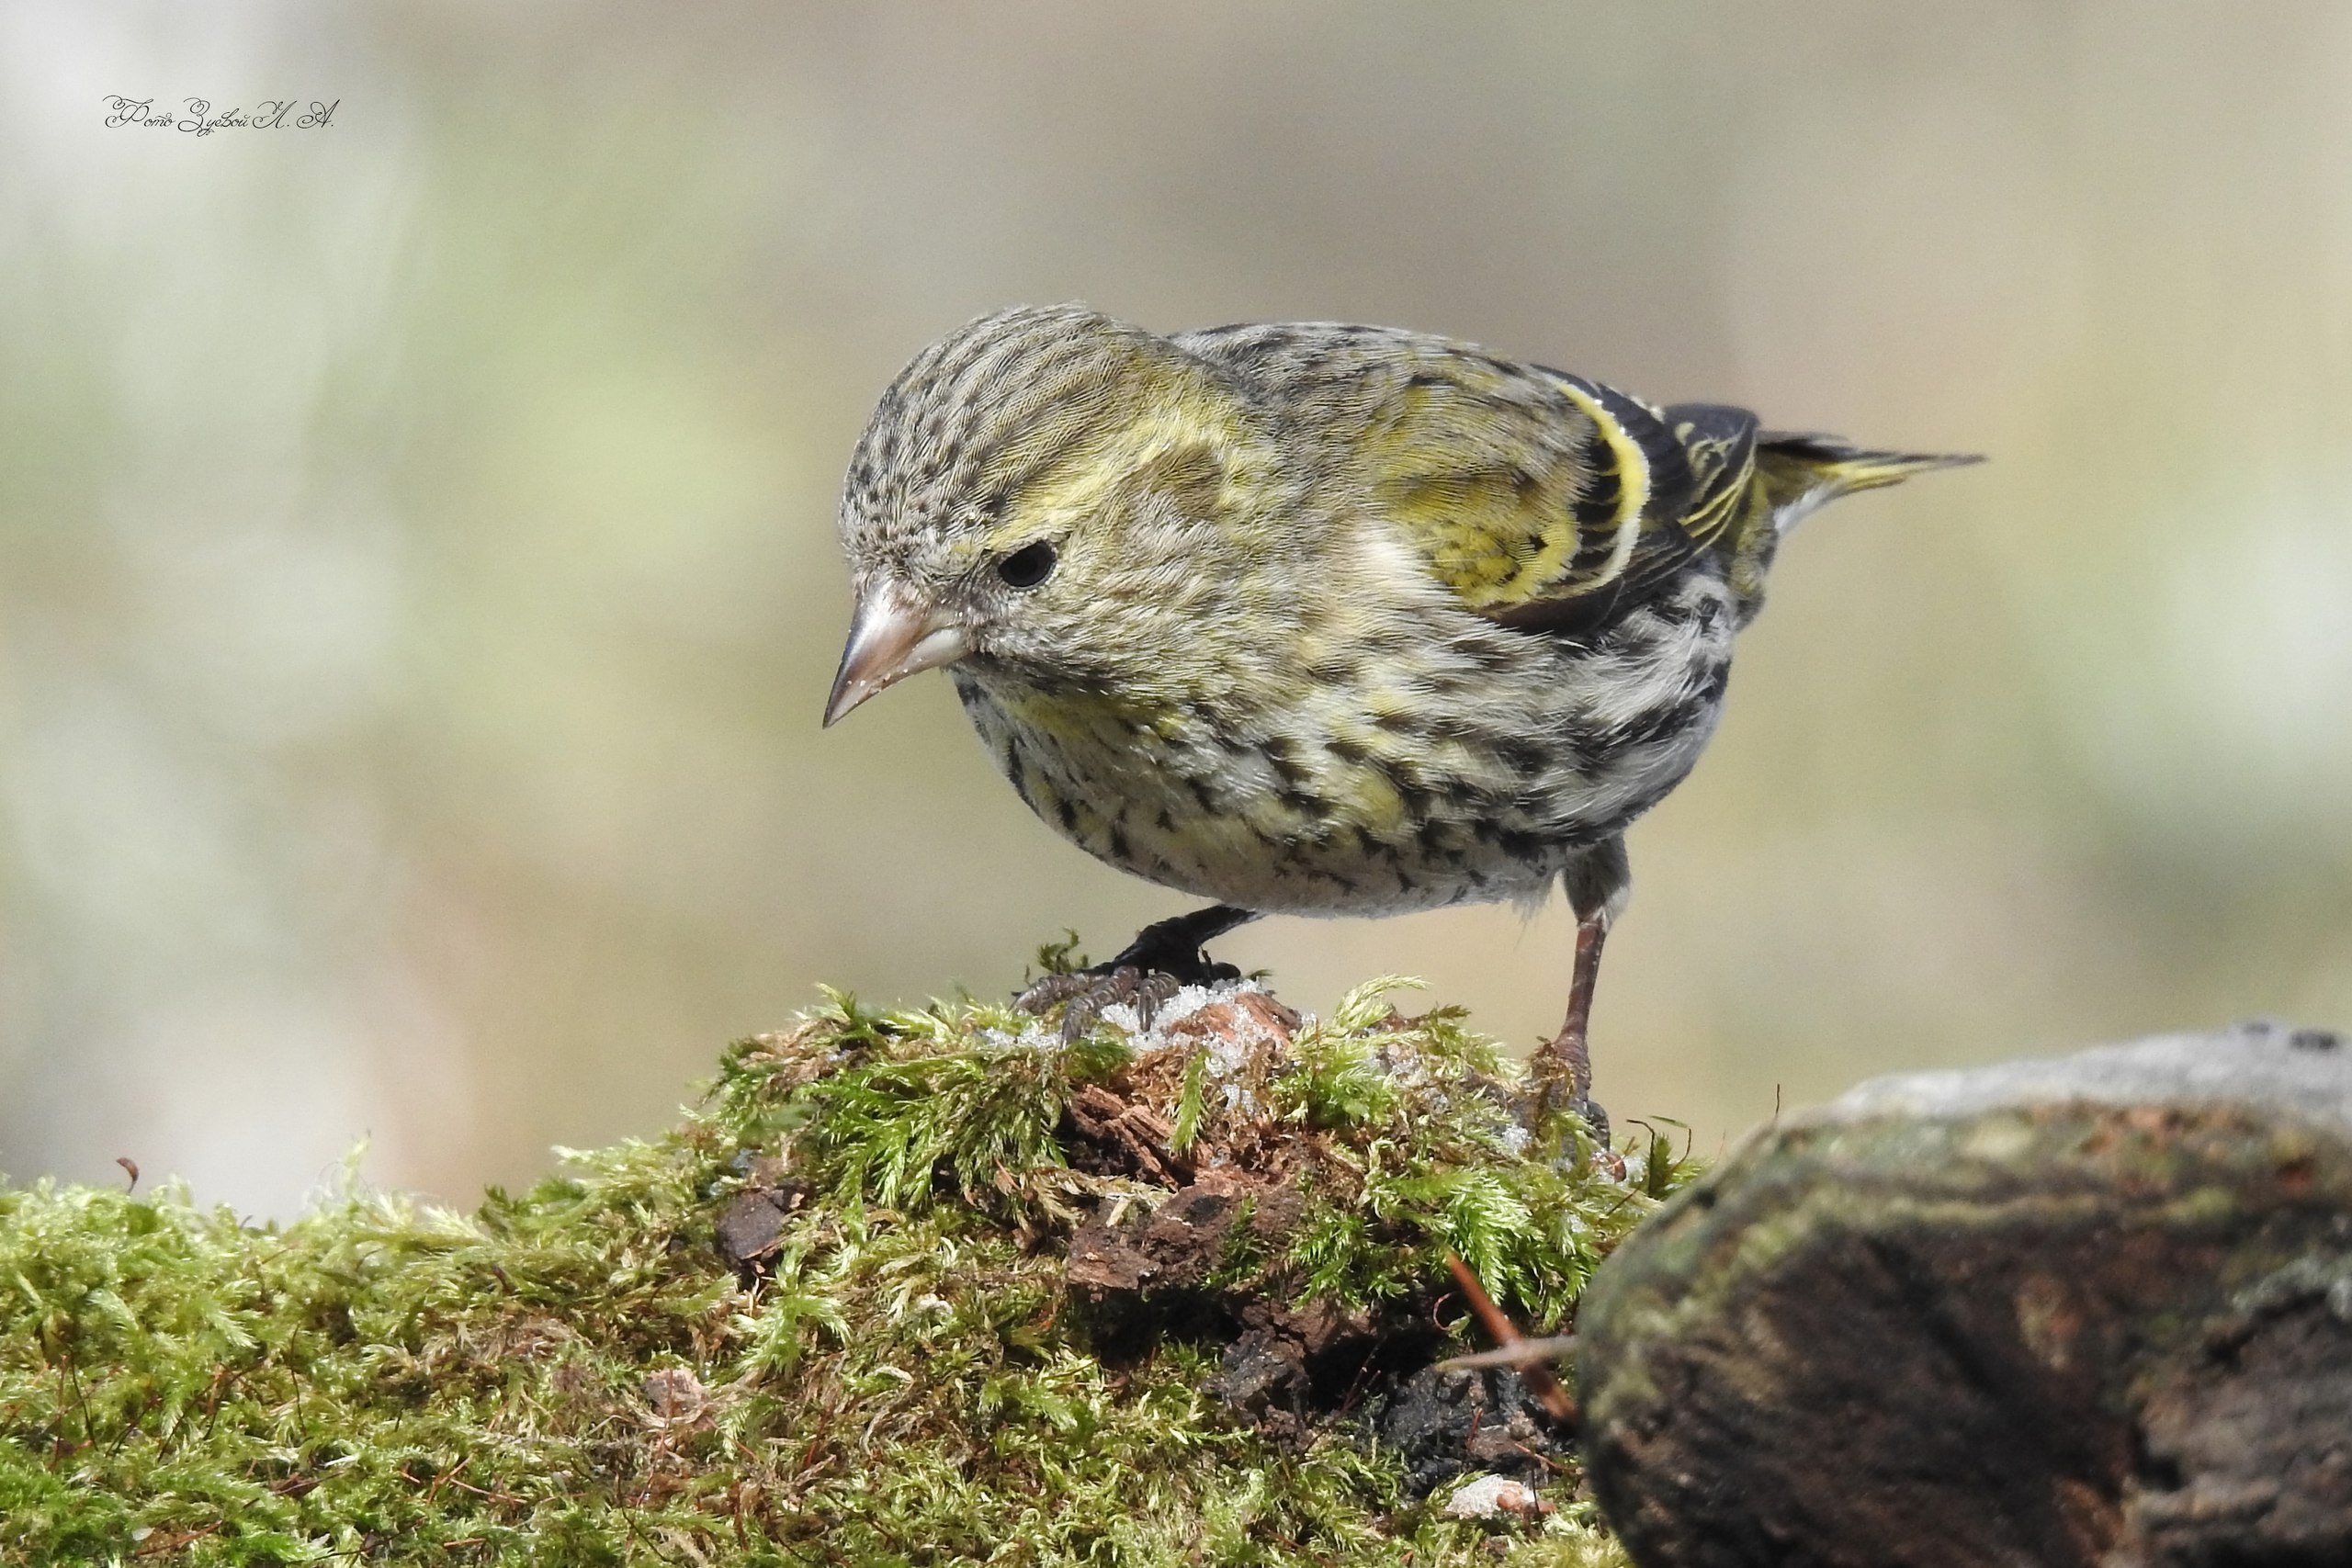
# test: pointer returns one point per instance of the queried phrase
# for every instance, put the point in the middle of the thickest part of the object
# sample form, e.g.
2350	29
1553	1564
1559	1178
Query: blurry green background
418	584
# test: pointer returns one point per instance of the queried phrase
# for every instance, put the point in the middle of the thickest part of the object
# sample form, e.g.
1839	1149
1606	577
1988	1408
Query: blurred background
418	583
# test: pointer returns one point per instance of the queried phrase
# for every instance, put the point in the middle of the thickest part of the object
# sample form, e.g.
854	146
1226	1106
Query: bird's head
1037	497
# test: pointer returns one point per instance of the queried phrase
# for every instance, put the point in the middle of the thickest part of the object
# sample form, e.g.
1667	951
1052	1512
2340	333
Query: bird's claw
1085	995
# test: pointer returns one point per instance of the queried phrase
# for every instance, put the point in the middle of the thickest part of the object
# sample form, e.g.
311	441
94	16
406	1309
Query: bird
1321	619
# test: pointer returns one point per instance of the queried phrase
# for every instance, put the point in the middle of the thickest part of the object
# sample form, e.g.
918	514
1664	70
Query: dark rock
2091	1311
1324	1328
1264	1378
1293	1361
1444	1424
752	1225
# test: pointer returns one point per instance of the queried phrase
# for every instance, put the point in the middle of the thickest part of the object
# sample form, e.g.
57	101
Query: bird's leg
1598	883
1164	957
1564	1064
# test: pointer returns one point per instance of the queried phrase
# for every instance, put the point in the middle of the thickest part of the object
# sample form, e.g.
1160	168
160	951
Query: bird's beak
893	636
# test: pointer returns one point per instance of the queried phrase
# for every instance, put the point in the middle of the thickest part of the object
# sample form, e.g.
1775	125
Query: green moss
575	1375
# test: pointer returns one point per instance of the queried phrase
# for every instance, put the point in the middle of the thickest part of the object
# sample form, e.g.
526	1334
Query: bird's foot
1573	1146
1164	958
1085	995
1562	1073
1595	1120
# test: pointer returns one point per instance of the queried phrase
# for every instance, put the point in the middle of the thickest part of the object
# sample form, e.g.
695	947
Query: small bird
1321	619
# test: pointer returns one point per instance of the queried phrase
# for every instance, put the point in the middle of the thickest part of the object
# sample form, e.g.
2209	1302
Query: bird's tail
1801	473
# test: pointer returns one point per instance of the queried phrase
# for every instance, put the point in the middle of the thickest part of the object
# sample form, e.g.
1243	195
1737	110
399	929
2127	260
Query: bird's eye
1028	566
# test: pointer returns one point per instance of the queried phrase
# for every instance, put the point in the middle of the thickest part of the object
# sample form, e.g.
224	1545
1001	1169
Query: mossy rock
2077	1312
832	1318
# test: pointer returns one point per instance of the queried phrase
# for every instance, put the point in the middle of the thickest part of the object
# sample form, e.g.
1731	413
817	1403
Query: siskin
1320	619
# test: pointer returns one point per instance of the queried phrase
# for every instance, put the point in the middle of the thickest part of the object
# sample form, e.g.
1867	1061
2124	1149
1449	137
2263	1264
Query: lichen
903	1372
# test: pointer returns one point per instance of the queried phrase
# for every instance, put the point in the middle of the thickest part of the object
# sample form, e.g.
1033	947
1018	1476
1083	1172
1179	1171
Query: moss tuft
830	1317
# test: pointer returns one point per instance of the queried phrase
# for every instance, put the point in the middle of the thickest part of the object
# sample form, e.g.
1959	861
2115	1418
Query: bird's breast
1391	775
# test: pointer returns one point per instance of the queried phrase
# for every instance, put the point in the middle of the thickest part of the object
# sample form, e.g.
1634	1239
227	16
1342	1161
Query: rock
2089	1311
1262	1376
752	1225
1445	1423
1484	1496
1293	1360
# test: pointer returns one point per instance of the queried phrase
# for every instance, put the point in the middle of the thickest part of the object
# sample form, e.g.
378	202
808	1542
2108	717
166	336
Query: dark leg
1165	957
1597	886
1564	1065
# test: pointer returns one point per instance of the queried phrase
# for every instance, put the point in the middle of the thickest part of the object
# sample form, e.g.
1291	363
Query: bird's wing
1543	500
1670	484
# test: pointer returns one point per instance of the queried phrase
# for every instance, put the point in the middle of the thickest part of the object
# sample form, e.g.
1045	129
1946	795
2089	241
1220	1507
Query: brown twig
1550	1347
158	1544
1507	1336
1542	1457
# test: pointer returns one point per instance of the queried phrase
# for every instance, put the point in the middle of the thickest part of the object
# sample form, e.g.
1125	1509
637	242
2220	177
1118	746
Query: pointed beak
894	636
